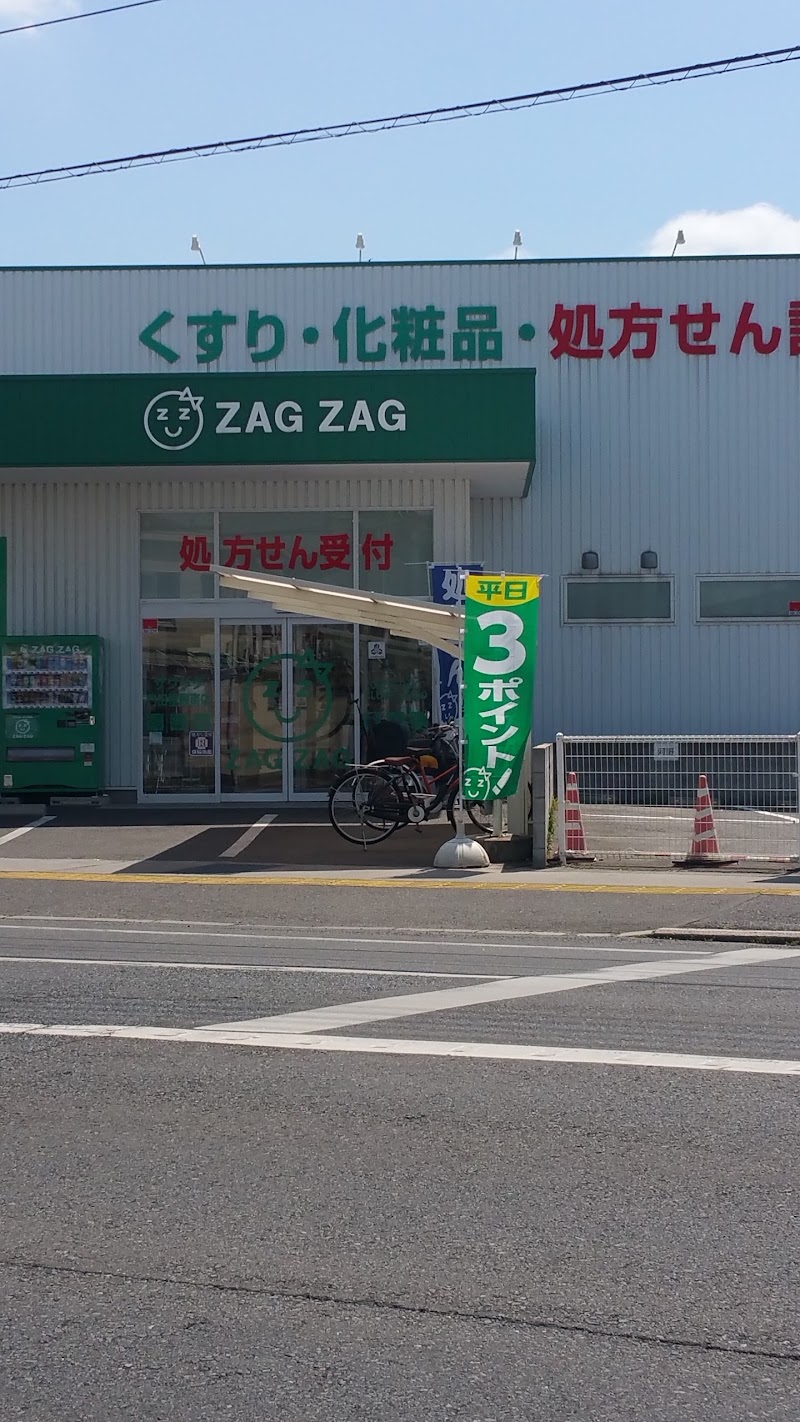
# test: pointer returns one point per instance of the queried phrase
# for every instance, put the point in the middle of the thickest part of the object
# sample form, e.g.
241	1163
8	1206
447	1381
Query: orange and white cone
705	848
575	835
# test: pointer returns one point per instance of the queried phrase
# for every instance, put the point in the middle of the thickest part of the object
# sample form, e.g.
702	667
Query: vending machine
53	722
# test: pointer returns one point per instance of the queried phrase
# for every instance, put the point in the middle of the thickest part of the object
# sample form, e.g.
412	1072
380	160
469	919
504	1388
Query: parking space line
251	833
352	1014
25	829
407	1047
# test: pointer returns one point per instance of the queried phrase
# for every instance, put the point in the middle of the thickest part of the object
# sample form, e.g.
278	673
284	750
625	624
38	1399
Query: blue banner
447	588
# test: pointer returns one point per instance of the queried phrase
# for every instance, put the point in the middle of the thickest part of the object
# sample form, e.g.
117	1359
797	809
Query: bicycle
371	802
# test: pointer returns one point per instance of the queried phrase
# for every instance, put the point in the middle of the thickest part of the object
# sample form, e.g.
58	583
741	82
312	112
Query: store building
629	429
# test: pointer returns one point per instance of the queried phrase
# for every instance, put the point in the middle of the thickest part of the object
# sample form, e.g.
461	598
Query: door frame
255	797
317	797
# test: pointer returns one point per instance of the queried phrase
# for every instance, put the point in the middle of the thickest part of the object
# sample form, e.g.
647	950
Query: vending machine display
52	715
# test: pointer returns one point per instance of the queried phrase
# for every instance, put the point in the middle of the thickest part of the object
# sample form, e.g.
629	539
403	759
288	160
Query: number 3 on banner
506	641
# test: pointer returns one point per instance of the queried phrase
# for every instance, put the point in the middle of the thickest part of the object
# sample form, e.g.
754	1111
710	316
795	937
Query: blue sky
593	177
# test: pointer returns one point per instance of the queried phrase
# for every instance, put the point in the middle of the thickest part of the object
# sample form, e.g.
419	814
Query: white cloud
759	229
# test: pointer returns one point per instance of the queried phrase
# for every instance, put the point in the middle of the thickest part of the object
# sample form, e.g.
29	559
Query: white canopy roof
422	621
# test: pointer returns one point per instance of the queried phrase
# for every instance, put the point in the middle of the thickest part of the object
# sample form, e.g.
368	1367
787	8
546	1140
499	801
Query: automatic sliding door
285	708
321	705
253	694
178	709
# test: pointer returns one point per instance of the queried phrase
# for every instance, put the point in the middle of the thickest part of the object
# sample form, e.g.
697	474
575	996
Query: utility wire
84	15
713	69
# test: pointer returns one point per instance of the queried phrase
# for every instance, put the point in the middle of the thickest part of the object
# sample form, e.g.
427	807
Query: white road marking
247	967
409	1047
25	829
324	938
351	1014
773	815
251	833
295	927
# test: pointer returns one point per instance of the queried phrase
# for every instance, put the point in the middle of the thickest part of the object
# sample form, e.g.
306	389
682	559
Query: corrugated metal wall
74	558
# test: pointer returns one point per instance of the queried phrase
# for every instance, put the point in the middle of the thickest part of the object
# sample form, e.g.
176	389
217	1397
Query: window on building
317	545
746	599
395	550
618	599
176	552
384	550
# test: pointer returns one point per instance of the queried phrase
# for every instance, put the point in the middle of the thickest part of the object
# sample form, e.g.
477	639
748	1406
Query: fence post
561	793
542	789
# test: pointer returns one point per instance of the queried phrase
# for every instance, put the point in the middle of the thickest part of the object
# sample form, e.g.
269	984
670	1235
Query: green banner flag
500	636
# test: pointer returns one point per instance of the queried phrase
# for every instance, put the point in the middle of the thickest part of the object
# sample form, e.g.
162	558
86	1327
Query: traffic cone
576	838
704	848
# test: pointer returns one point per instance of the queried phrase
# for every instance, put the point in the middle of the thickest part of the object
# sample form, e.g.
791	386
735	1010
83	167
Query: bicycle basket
445	746
438	741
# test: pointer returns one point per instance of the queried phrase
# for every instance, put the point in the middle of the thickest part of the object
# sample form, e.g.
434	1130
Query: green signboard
377	417
500	638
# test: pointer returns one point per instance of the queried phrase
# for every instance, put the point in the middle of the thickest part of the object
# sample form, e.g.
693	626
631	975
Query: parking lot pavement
233	1219
631	832
163	841
173	840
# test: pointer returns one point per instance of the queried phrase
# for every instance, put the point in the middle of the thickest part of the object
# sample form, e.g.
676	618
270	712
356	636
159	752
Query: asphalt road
214	1207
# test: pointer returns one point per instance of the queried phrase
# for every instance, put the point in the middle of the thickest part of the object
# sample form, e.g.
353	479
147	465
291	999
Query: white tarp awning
422	621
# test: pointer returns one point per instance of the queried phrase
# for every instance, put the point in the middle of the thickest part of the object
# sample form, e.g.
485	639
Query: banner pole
461	852
461	819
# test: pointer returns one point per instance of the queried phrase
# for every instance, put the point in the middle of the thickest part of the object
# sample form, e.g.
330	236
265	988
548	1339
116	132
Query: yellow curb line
331	882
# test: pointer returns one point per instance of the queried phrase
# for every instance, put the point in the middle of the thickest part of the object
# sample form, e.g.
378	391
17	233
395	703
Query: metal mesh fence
711	798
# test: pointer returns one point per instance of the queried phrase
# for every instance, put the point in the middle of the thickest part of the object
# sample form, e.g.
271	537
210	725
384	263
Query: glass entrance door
178	707
320	705
286	707
266	710
252	697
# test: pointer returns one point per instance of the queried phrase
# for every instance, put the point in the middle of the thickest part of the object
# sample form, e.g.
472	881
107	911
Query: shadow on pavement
285	845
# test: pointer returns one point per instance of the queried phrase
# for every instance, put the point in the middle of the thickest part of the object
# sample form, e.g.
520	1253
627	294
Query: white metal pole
561	784
797	789
461	819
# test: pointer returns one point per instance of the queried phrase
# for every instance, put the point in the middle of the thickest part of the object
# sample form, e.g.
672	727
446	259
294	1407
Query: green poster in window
500	640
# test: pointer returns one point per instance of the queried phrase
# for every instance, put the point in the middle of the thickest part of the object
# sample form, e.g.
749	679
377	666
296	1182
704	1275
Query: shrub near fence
638	793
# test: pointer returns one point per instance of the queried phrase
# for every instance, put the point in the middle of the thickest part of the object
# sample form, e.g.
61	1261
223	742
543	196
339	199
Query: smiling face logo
174	419
313	697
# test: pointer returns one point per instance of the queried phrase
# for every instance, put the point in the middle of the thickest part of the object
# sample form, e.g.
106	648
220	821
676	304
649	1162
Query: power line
84	15
713	69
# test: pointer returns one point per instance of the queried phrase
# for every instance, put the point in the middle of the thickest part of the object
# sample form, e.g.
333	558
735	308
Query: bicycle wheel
478	812
481	813
365	807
